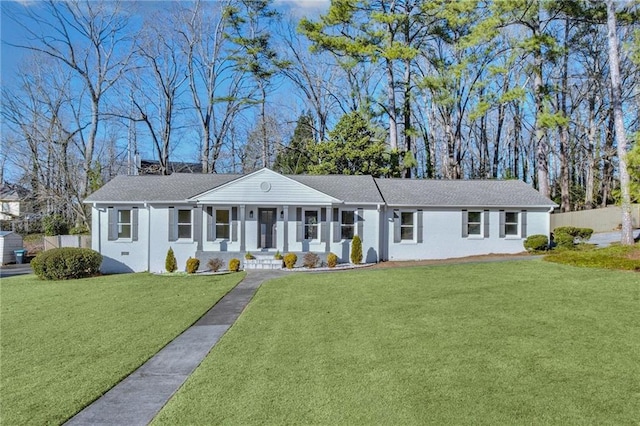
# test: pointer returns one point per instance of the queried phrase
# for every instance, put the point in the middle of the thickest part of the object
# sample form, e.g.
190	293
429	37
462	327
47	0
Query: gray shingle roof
175	187
461	193
354	189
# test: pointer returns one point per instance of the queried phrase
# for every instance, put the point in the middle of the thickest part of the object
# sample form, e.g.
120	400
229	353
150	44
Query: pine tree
356	250
170	263
295	158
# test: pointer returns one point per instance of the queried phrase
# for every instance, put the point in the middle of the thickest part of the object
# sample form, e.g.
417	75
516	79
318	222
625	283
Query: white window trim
354	225
178	224
480	235
414	227
304	224
215	224
515	236
118	224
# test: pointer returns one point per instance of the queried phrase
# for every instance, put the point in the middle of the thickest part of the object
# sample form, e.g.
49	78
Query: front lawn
523	342
64	343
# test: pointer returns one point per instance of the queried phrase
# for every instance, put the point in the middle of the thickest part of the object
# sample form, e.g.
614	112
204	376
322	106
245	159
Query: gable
265	187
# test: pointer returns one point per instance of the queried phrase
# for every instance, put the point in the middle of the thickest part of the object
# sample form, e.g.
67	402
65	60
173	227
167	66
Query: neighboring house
11	198
135	219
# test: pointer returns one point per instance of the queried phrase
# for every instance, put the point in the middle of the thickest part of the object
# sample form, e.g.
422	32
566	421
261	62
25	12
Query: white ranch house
135	219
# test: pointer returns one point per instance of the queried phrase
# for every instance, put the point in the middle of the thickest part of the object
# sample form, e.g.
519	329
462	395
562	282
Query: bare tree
621	139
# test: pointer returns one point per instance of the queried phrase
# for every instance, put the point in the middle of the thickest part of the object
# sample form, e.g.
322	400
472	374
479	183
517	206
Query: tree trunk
591	160
391	107
542	148
621	140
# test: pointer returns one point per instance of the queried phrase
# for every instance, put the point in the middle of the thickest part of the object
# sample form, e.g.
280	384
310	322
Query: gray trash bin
20	254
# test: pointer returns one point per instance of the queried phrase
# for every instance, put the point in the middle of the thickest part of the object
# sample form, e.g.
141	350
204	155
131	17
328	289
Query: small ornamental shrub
537	242
249	256
54	224
310	260
215	264
170	262
290	260
234	265
277	256
332	260
356	250
67	263
192	265
79	230
563	240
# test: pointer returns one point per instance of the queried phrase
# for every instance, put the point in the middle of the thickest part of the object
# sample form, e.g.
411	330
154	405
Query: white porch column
285	233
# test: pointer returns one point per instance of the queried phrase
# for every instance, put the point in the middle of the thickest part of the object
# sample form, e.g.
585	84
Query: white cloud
302	8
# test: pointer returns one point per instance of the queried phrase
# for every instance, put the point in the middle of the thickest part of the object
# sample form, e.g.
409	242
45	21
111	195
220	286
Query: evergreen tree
355	147
296	157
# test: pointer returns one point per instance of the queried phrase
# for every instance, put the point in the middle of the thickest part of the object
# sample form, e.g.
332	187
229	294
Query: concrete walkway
138	398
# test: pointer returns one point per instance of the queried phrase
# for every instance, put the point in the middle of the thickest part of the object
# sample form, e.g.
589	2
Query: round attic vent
265	186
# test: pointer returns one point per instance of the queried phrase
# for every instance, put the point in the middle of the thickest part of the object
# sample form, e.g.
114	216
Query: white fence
600	220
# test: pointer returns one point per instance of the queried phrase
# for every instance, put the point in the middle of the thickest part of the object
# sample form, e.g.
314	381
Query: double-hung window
124	224
474	223
511	223
311	224
406	226
348	224
223	224
184	223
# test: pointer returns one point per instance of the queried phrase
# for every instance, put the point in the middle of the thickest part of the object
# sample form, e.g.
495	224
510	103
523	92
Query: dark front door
267	227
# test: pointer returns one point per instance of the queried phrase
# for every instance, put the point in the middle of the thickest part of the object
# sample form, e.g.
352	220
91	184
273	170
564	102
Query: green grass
524	342
613	257
64	343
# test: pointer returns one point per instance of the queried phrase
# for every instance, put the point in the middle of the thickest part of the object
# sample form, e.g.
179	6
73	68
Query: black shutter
337	235
298	224
234	224
502	224
465	224
360	219
419	239
112	232
134	224
486	223
523	224
396	227
324	234
172	224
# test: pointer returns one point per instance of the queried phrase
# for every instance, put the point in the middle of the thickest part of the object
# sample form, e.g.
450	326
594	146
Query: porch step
263	262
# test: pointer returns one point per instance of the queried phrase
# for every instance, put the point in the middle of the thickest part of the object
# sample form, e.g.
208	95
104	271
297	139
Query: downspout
549	224
147	207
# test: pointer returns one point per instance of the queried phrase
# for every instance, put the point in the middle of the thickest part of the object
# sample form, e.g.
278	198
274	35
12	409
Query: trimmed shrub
170	262
67	263
290	260
54	224
565	236
310	260
332	260
537	242
356	250
215	264
249	256
192	265
79	230
234	265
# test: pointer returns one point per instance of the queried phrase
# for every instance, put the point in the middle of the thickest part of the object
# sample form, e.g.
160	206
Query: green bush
79	230
234	265
54	224
290	260
170	262
537	242
565	236
215	264
249	256
332	260
192	265
310	260
67	263
277	256
356	250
